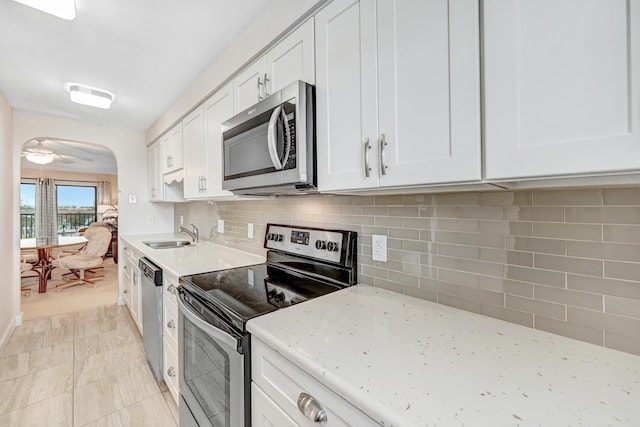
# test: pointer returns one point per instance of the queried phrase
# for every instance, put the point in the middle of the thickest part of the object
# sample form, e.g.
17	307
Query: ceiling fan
44	151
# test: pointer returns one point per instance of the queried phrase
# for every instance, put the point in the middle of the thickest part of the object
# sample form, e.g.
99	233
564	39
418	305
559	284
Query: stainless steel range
214	346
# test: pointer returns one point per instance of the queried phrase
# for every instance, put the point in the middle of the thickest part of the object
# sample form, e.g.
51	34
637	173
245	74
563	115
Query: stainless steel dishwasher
151	290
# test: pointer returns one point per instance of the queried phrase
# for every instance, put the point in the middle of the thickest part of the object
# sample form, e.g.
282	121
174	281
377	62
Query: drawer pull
311	409
172	289
171	324
171	371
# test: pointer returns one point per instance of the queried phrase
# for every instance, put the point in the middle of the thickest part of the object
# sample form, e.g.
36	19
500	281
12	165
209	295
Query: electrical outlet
379	243
150	220
221	226
250	231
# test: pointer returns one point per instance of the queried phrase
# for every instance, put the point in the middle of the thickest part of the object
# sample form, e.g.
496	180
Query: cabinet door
194	149
429	91
562	87
346	95
217	109
265	413
153	170
172	150
292	59
248	86
136	297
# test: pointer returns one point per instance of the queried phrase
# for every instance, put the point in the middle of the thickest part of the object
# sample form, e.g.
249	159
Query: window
76	207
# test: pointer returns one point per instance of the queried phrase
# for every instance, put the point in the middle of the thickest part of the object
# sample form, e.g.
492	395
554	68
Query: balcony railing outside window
68	223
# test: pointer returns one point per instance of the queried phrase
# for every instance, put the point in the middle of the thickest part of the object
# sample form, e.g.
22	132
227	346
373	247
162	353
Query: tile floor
85	368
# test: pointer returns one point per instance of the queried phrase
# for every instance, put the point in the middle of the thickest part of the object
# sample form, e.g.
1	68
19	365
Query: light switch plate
132	198
250	231
221	226
379	243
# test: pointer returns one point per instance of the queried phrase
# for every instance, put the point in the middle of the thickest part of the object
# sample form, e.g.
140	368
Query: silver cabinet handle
258	88
171	324
171	371
382	143
204	183
171	288
266	94
365	150
311	409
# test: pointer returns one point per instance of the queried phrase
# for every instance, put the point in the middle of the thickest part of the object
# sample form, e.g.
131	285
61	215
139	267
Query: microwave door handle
286	136
272	135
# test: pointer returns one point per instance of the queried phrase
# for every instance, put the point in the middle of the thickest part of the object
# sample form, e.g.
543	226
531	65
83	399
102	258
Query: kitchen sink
167	244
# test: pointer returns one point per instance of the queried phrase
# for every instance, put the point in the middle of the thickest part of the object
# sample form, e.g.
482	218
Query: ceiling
146	52
72	156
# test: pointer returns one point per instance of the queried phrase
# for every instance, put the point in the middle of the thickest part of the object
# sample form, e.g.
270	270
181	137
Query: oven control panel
322	244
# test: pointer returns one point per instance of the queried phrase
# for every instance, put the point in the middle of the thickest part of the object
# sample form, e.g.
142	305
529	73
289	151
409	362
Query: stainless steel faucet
193	232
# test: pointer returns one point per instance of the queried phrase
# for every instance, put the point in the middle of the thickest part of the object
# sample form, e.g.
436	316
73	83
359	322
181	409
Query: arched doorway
65	186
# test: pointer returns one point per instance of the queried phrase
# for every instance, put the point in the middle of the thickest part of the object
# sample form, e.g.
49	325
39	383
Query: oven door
213	376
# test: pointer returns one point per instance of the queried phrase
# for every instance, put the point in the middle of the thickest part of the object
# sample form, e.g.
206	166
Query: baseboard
6	335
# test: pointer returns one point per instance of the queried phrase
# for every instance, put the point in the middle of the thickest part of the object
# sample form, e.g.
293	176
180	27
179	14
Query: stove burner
297	269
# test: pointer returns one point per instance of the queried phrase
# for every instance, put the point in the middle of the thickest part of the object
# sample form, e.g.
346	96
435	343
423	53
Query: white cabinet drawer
283	382
265	413
170	370
170	320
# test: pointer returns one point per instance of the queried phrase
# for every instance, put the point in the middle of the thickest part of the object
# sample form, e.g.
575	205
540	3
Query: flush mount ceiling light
87	95
65	9
40	158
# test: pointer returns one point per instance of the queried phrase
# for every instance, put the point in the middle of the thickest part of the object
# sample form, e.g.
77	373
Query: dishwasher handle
150	270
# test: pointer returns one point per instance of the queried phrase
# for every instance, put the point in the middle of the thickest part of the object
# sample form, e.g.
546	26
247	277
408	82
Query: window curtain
104	193
46	208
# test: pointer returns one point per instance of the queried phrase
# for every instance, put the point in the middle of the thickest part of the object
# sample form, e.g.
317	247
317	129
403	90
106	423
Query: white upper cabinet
248	85
155	177
202	138
194	149
397	93
562	87
290	60
217	109
171	144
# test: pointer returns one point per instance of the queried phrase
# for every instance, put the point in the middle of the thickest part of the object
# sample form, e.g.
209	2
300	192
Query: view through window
76	208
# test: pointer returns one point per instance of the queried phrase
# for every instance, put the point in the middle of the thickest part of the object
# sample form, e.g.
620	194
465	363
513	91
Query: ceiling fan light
39	158
92	97
65	9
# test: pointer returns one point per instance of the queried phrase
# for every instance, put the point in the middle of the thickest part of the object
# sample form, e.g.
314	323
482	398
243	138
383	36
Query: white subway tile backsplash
563	261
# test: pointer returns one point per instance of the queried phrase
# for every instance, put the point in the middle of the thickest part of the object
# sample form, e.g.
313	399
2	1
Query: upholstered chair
90	256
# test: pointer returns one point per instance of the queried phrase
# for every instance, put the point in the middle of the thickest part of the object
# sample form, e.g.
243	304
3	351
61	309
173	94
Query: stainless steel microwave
269	149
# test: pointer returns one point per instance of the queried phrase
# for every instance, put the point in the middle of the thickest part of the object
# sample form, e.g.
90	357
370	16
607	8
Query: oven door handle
272	136
211	330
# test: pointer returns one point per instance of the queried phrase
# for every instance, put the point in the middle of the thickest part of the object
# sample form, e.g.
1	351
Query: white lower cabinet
170	369
264	411
278	384
131	278
170	336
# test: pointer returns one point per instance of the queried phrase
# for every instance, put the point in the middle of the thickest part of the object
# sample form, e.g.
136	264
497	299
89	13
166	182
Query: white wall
268	26
8	255
131	157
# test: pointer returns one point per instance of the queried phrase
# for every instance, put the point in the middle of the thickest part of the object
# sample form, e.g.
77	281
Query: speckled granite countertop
203	257
409	362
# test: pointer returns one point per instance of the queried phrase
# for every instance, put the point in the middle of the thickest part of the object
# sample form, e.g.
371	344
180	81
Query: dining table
44	247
